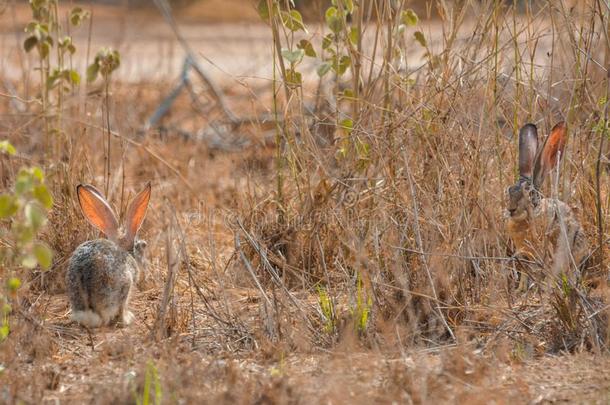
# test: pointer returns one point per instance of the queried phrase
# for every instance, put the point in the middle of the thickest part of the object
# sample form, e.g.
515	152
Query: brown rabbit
544	230
102	272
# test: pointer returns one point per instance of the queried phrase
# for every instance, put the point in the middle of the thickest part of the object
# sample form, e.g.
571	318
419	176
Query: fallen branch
190	62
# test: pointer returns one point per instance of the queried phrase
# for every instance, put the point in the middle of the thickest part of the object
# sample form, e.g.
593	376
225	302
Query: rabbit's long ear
135	214
551	153
97	210
528	145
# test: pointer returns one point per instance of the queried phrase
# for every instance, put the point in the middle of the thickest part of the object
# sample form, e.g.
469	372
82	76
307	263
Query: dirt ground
196	363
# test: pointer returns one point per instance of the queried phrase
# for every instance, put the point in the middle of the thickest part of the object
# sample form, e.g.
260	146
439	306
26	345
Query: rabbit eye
514	190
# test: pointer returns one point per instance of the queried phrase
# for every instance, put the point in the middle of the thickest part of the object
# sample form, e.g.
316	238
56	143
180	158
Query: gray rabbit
545	230
101	272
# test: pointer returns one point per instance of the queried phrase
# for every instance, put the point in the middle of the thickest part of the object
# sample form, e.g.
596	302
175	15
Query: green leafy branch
23	214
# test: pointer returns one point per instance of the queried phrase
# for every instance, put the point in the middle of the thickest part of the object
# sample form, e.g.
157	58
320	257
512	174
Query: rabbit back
99	280
566	237
538	236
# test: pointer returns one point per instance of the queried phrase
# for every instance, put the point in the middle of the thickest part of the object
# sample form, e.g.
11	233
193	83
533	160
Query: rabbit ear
528	145
551	153
97	210
135	215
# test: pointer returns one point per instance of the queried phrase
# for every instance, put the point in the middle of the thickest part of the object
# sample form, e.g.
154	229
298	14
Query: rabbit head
534	165
99	213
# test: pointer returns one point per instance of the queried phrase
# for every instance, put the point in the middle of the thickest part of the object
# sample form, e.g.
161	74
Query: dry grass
266	249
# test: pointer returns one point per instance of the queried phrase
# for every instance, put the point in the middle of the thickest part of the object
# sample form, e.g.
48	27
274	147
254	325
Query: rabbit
544	230
101	272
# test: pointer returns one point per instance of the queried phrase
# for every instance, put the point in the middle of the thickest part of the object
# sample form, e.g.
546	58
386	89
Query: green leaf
333	19
92	72
31	26
43	255
293	56
37	173
293	77
323	69
349	6
30	43
307	47
43	28
38	32
6	147
108	60
74	77
348	93
35	216
409	18
13	284
263	10
293	20
77	16
41	193
66	45
354	35
8	206
341	65
23	234
419	37
347	125
23	182
44	50
5	309
37	4
4	330
327	41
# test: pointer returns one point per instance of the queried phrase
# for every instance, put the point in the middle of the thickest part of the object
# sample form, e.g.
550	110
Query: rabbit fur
102	272
543	230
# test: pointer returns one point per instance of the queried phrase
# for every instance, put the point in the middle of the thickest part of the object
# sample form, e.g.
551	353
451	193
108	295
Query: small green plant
338	44
328	310
106	61
151	380
292	21
364	303
565	285
23	213
45	34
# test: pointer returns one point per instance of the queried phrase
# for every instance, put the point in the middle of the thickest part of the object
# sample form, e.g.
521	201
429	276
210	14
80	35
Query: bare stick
165	9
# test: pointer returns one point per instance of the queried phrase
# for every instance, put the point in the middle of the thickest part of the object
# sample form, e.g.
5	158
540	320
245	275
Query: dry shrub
417	213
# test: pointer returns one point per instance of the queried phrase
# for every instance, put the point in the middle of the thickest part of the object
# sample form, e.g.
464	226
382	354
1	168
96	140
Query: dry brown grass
231	306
